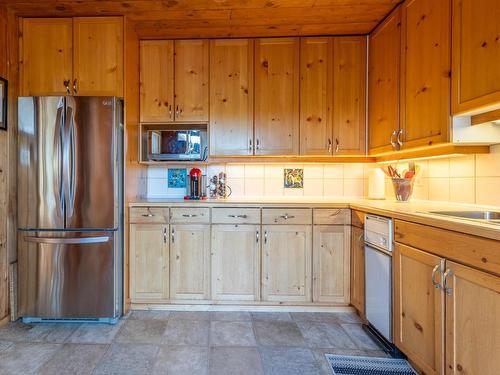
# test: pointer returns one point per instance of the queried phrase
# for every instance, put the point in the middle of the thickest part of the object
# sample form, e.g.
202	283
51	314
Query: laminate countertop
413	211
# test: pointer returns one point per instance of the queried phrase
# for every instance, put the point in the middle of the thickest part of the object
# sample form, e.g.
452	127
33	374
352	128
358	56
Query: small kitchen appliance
196	185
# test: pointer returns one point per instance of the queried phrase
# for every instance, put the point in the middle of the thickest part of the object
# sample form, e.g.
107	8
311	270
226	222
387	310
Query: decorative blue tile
177	177
293	178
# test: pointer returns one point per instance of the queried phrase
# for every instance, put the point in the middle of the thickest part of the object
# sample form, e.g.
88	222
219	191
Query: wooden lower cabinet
472	324
189	261
331	263
358	270
418	308
236	262
286	263
149	265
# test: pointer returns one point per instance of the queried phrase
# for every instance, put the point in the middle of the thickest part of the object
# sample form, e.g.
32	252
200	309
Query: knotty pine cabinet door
189	261
236	262
418	308
98	56
191	80
277	99
476	53
425	72
149	262
316	95
472	324
331	263
231	96
383	83
349	95
286	263
46	56
358	270
157	80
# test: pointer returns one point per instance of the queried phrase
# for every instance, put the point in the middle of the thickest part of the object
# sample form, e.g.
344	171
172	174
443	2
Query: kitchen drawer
286	216
329	216
149	215
190	215
236	215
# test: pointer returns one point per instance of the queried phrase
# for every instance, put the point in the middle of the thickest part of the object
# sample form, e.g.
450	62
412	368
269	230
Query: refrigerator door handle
67	240
59	158
69	156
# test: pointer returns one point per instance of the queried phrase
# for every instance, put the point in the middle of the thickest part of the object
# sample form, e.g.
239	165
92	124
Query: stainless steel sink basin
492	217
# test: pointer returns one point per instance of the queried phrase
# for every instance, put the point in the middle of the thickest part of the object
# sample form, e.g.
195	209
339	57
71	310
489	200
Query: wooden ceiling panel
228	18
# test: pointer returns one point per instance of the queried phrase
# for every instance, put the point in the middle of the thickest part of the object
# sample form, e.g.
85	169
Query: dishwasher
378	279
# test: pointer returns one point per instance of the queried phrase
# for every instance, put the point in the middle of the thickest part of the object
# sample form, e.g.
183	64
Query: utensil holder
403	188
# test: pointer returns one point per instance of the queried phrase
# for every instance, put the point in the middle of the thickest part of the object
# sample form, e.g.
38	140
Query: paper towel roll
376	184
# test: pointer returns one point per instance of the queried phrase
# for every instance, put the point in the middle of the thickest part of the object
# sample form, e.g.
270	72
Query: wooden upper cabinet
425	72
231	97
476	55
98	56
277	99
191	80
349	95
46	56
418	308
316	57
157	80
383	83
472	325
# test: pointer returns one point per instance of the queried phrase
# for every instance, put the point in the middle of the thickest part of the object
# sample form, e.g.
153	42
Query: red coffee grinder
196	186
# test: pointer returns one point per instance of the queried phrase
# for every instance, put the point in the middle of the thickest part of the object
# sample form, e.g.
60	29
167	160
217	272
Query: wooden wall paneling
476	51
191	80
47	56
383	83
425	72
98	38
231	96
316	88
157	80
277	102
229	18
349	95
4	165
135	173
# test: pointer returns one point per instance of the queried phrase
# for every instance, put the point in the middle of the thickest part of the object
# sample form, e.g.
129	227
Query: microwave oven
176	144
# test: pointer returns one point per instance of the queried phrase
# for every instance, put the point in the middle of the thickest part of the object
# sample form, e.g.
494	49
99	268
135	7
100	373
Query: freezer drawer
68	275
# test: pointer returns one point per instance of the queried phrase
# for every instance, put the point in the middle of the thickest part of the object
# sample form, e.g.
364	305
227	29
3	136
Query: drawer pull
189	215
257	236
265	236
338	211
173	235
286	217
238	216
148	215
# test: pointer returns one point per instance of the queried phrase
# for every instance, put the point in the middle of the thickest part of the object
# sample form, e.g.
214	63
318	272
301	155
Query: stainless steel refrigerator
70	208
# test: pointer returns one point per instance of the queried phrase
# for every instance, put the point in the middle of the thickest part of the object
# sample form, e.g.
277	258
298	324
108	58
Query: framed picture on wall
3	104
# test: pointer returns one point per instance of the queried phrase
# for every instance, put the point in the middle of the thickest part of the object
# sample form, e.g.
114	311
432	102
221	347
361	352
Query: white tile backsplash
463	179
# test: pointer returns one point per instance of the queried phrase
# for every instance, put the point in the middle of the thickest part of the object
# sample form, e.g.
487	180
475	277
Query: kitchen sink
492	217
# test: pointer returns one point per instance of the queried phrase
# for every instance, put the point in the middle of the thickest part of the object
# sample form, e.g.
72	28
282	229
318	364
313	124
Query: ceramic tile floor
153	342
